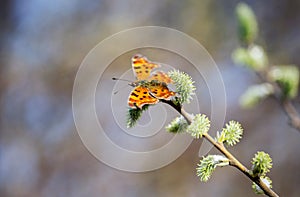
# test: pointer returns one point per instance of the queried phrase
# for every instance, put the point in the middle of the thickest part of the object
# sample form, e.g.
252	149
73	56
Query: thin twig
232	160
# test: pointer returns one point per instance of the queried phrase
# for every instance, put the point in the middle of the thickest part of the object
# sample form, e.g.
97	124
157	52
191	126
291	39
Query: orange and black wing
142	67
140	96
160	91
161	77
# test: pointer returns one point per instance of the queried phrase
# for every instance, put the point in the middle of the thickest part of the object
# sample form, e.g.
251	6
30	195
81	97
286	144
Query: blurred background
43	44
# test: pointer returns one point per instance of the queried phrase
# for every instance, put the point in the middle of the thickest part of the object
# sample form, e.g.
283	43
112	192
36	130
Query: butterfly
149	87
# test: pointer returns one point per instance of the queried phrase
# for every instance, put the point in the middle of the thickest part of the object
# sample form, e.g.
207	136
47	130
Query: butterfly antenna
131	83
118	79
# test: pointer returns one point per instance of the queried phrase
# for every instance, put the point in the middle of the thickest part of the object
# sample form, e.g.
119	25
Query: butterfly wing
140	96
142	67
161	77
156	87
160	91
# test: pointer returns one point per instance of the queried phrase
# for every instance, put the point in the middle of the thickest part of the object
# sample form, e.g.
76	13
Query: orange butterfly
149	88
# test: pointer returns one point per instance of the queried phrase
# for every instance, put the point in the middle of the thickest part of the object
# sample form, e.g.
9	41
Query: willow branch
232	160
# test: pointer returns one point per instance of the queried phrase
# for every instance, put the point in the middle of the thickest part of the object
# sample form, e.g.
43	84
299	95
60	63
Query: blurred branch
281	82
285	103
292	114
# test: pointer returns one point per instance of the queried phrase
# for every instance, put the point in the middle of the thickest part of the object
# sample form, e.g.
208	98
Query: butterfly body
149	87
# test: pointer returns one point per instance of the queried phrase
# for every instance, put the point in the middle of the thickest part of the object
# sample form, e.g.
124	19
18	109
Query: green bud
133	114
231	134
254	94
261	164
178	125
247	24
208	164
199	126
241	56
259	59
288	79
254	57
184	86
